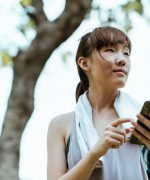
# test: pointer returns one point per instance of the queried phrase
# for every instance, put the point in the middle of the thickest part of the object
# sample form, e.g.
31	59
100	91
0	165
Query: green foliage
128	23
111	16
136	6
65	56
25	3
6	59
120	15
30	24
127	9
97	8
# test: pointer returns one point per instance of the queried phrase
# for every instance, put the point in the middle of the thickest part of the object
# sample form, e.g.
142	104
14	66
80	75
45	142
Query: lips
120	70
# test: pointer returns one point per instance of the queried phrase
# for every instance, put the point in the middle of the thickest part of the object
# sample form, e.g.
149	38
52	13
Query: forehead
109	37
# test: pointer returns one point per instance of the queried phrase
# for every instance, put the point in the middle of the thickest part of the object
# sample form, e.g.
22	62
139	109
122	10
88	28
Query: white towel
126	107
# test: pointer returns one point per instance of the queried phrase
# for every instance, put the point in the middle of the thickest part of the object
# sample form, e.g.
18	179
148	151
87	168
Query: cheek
106	70
106	65
128	66
102	67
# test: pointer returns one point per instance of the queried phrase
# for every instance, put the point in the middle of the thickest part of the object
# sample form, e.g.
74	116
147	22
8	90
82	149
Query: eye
109	50
126	54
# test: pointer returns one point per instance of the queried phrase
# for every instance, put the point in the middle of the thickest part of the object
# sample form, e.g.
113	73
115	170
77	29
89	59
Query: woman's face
110	66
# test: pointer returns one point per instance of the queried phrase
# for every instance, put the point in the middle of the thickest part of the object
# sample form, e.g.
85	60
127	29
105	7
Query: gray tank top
125	163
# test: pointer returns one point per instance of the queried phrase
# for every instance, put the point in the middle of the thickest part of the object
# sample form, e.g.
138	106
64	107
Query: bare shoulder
62	121
61	125
57	137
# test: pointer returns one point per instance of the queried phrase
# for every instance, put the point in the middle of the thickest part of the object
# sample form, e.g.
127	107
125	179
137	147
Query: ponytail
80	89
85	50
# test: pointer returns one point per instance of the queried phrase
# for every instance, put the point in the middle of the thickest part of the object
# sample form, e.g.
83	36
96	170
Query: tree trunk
20	107
27	68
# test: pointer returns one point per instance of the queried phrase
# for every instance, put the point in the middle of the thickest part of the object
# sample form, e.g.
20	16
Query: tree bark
27	68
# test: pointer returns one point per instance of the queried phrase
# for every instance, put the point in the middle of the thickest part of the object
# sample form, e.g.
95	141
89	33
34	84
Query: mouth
122	71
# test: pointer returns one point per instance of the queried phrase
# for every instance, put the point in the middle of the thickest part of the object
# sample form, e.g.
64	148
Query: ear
84	63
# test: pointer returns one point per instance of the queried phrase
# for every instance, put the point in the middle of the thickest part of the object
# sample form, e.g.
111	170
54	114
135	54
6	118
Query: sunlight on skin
47	106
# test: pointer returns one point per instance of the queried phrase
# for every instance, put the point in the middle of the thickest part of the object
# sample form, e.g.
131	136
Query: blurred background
38	76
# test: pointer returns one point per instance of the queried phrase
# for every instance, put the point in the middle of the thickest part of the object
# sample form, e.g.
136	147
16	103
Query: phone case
146	113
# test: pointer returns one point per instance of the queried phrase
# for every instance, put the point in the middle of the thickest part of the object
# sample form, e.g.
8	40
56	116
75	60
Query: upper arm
56	159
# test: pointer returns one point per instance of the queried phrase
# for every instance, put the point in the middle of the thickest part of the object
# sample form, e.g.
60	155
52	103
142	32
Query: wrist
99	150
95	153
95	158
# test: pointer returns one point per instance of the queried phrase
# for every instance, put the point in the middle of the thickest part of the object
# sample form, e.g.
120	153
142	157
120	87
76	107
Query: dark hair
98	38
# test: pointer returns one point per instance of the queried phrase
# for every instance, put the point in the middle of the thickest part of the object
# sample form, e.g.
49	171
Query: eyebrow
126	46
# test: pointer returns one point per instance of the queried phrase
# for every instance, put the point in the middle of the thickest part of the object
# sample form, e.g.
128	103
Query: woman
93	141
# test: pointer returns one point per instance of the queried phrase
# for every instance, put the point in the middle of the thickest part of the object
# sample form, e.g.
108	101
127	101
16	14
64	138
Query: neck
101	98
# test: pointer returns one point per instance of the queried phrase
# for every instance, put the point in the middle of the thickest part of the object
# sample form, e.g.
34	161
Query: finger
128	130
134	123
142	130
116	130
115	146
144	120
120	121
116	136
141	138
113	143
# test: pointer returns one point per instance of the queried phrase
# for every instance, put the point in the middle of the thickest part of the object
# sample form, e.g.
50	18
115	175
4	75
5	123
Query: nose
120	59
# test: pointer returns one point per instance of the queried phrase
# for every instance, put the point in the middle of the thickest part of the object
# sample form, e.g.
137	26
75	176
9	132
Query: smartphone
146	113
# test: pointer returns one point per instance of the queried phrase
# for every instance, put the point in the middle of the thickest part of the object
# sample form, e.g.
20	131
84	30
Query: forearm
83	169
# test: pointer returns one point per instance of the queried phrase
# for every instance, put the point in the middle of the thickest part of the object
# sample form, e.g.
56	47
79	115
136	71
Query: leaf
128	23
26	3
134	6
138	7
111	16
96	7
23	28
6	58
65	56
31	24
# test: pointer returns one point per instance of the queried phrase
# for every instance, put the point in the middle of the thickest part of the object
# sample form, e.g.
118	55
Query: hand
144	135
113	137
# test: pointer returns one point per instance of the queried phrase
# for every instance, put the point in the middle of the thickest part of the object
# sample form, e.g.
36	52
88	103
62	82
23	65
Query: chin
120	84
